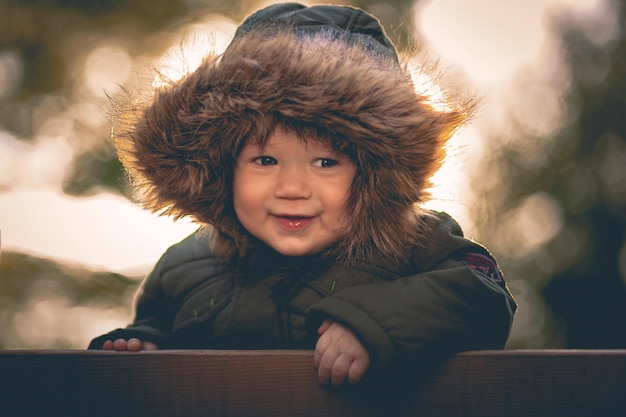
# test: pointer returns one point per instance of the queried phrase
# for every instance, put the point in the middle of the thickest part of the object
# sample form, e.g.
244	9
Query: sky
488	41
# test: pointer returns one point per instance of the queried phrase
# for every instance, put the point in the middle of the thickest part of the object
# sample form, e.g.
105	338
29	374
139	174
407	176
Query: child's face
291	193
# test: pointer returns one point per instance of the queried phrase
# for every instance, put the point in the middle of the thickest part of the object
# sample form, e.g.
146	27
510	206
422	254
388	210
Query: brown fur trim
180	148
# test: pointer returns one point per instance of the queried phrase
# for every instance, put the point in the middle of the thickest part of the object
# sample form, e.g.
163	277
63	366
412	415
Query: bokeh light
10	73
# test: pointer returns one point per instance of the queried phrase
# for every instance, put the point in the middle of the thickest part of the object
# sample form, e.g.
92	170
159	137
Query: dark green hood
351	25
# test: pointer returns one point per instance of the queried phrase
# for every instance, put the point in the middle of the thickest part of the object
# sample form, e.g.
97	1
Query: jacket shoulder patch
483	264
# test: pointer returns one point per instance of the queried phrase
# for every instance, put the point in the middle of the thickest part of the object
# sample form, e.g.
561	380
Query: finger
357	369
320	348
317	358
119	344
324	326
326	365
108	345
340	370
133	344
149	346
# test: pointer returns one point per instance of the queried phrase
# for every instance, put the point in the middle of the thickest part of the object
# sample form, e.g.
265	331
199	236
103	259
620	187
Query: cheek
341	208
240	194
247	197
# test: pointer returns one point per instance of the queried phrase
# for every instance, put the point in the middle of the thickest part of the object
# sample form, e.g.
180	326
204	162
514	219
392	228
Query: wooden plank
283	383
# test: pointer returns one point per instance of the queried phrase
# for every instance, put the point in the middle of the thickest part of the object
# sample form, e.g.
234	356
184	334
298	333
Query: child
304	152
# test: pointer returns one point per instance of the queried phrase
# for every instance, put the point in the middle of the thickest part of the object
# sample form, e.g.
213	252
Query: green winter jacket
448	298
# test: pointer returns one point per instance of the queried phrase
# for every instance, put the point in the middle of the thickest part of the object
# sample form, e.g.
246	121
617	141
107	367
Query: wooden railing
283	383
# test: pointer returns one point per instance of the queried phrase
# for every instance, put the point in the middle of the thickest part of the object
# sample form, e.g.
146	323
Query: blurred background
539	176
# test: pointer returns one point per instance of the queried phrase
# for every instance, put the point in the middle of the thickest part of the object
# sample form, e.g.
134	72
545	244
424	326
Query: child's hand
339	354
133	345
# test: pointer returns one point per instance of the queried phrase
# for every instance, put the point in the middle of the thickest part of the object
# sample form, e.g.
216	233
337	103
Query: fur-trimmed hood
180	147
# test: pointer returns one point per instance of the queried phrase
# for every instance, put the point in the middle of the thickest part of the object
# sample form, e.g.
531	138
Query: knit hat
328	72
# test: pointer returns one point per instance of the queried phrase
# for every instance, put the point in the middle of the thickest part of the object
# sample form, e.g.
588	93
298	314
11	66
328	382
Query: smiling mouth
294	222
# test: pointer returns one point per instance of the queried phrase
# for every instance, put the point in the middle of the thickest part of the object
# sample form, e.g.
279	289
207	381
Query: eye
265	160
325	163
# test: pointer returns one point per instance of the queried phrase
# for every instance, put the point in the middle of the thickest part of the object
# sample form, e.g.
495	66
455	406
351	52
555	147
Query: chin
295	251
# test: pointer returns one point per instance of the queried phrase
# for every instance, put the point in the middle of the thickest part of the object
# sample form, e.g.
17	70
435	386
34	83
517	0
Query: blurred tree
573	183
28	281
51	37
38	29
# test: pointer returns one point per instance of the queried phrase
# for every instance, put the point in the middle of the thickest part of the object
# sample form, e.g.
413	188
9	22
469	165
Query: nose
293	184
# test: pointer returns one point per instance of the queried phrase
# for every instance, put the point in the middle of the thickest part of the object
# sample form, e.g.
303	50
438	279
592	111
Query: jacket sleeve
154	313
460	303
152	321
